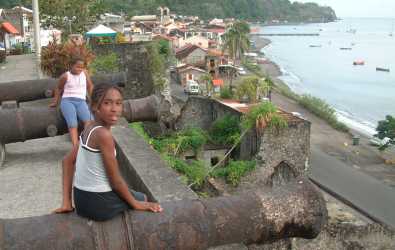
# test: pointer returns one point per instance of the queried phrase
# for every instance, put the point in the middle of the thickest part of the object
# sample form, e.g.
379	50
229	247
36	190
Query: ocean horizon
322	66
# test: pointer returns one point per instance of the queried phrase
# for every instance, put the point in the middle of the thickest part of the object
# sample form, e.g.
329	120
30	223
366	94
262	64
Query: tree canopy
254	10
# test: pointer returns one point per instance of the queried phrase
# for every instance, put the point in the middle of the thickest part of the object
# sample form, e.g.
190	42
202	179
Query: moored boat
382	69
359	62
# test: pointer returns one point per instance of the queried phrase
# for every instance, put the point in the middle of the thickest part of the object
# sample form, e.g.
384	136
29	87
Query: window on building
212	63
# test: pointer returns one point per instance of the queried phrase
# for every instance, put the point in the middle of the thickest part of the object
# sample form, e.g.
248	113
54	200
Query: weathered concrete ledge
142	166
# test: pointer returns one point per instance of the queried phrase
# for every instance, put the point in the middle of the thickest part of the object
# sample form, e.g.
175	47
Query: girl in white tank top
100	192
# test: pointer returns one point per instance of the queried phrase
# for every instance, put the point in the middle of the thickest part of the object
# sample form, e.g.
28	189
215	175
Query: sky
359	8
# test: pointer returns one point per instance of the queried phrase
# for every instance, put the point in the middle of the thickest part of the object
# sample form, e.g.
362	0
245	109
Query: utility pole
37	42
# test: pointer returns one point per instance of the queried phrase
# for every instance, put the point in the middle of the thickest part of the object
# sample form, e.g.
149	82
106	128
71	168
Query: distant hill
259	10
253	10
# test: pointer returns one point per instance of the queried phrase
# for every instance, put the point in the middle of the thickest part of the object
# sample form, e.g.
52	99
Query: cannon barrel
261	216
31	90
25	123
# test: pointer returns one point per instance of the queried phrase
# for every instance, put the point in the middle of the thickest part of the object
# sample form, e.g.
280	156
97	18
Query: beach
329	141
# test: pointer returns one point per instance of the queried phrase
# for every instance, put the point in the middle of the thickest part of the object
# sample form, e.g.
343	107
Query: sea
323	66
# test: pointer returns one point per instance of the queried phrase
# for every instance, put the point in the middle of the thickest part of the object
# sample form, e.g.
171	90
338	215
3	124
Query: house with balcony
8	36
188	72
21	19
214	59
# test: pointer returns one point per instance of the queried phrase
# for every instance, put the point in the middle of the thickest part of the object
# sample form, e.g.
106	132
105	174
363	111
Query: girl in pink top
74	85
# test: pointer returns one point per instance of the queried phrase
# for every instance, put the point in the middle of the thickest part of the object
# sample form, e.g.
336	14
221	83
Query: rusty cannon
30	90
18	124
260	216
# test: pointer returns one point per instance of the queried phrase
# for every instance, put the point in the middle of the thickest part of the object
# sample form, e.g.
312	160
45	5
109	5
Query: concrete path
31	178
19	68
365	192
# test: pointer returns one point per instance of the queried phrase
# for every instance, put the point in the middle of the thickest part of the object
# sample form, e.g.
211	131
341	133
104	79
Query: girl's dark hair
76	59
100	90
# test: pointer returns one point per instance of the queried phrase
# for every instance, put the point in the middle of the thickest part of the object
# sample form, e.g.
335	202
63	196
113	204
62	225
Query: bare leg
74	135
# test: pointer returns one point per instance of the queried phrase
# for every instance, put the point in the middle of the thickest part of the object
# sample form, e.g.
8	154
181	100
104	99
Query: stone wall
197	112
134	60
291	145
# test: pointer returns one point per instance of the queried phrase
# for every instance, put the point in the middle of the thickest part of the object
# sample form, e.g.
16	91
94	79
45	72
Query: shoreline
328	140
273	70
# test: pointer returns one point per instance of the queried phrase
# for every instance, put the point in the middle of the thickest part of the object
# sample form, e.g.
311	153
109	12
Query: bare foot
62	210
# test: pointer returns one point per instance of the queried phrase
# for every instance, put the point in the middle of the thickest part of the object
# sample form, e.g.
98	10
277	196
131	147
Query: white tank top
90	174
75	86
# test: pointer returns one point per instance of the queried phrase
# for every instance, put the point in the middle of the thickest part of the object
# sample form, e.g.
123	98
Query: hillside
254	10
261	10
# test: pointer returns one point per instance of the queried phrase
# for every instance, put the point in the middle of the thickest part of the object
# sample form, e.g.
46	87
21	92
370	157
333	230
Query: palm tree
254	88
236	42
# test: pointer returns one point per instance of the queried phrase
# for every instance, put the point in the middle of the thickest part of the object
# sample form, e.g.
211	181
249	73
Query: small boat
382	69
346	48
359	62
315	46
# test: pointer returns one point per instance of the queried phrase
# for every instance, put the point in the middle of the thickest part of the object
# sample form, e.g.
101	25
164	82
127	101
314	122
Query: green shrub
139	129
226	93
264	115
105	64
2	56
195	171
225	130
323	110
234	171
156	64
189	139
256	69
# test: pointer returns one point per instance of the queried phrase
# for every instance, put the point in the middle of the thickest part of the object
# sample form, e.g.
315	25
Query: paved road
176	89
19	68
362	190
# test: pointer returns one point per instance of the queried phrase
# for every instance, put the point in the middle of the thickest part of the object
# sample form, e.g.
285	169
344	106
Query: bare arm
89	84
58	90
68	169
106	145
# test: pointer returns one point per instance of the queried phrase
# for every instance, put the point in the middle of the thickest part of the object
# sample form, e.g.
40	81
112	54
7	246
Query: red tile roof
218	82
216	30
7	27
186	50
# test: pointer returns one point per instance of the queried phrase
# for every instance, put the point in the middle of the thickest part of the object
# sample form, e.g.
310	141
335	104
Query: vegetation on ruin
253	88
108	63
158	57
225	130
234	171
264	115
226	93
